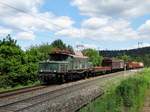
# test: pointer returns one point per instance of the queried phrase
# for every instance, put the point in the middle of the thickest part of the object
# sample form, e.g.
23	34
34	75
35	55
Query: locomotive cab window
48	67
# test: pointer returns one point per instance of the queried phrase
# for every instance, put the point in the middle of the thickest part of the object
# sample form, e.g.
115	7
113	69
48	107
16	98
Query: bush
127	96
131	92
4	82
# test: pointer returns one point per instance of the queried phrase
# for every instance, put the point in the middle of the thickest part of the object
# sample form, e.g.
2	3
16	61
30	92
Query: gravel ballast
72	99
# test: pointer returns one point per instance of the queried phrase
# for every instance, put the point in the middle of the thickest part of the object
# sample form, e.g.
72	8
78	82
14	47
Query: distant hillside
140	54
131	52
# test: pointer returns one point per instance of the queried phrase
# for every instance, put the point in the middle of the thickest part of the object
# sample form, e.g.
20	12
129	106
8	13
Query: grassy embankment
128	96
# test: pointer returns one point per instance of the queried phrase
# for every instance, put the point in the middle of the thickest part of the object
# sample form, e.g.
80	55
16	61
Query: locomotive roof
48	61
77	56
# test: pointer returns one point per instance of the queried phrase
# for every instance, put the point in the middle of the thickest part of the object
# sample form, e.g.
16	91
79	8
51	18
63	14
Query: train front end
51	71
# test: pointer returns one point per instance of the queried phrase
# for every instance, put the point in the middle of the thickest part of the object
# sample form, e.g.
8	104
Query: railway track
22	105
19	91
30	102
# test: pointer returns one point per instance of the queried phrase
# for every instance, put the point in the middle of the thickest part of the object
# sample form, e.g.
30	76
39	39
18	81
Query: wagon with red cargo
116	65
134	65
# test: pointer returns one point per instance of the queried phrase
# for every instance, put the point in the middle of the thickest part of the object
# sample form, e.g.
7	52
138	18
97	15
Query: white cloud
101	24
5	30
25	36
93	46
71	32
113	8
109	19
144	30
38	22
95	22
32	20
102	29
63	21
10	6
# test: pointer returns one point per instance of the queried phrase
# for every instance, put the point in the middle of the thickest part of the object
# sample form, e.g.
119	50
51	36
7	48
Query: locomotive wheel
62	79
86	75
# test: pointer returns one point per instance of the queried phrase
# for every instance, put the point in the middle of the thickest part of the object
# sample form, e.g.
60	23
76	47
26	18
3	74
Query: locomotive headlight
54	70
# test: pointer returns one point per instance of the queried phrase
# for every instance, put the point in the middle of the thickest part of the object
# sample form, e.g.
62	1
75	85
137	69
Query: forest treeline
139	54
19	67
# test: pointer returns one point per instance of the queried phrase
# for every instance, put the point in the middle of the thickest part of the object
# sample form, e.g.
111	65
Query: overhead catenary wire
32	15
23	11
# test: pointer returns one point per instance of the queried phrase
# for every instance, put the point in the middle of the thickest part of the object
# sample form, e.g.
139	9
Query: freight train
63	67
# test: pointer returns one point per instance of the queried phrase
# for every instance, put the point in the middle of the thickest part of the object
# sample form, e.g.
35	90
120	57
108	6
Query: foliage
94	56
131	92
140	54
128	96
10	55
18	67
58	44
70	48
124	57
62	46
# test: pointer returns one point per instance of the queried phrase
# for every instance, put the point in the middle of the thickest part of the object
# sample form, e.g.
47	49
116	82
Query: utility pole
80	47
98	50
140	43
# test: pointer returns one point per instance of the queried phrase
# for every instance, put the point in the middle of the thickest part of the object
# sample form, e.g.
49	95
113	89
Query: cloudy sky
100	24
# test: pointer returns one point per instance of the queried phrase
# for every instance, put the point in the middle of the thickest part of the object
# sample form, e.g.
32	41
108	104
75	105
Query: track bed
67	97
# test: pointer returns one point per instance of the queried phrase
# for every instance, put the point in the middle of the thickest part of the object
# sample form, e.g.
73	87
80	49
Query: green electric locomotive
61	67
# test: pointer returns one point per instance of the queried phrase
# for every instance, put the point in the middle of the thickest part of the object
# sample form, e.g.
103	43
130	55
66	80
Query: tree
8	41
16	66
94	56
125	57
45	49
146	60
11	55
58	44
11	61
70	48
38	53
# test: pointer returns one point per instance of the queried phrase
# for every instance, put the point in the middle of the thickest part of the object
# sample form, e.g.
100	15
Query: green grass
127	96
19	87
